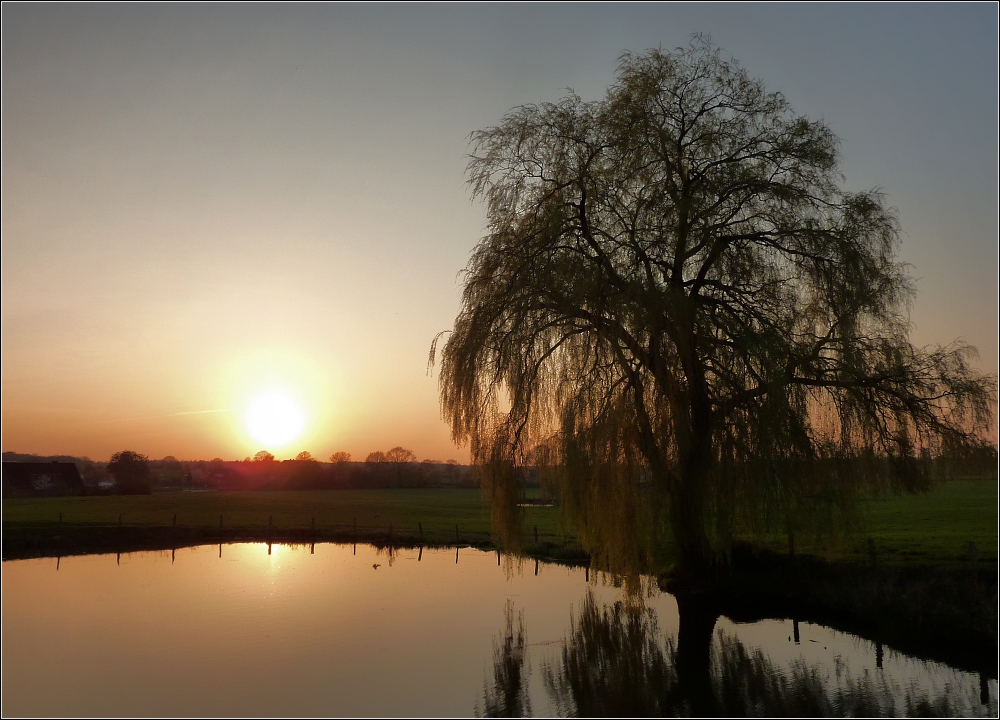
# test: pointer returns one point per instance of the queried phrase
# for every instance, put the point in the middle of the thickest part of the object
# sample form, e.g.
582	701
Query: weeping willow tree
678	310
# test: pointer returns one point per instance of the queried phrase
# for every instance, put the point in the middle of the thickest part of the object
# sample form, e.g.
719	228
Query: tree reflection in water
612	664
616	663
508	695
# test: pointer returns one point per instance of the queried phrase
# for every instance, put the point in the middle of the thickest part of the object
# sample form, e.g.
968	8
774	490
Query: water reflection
507	695
615	662
314	630
612	665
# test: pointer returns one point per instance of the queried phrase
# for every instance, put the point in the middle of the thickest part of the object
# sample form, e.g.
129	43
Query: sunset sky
205	203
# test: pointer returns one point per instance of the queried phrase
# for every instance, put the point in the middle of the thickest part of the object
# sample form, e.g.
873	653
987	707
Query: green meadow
930	528
407	511
933	528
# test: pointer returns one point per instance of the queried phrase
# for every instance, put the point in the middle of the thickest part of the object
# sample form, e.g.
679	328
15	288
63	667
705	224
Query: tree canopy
679	309
400	455
131	471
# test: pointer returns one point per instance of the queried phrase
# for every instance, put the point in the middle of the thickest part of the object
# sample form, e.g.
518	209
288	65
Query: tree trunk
692	411
688	500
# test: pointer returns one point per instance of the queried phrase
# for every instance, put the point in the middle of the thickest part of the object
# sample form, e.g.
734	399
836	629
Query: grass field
937	526
932	528
438	511
927	528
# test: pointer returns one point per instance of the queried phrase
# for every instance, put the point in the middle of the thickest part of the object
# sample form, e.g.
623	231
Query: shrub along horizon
131	471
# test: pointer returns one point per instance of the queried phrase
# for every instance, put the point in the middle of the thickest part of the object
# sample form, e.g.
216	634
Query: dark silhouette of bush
131	471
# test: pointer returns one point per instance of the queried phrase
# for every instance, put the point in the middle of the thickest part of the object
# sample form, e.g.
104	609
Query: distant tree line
129	472
395	468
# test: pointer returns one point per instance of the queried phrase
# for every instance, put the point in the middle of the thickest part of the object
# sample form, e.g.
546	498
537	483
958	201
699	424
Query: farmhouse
22	479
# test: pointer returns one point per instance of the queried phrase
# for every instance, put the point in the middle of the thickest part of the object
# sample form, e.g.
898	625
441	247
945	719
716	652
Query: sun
274	418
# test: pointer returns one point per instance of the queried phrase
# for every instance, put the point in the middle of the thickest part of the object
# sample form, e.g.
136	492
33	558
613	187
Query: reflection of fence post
879	655
420	555
984	688
536	566
872	556
795	630
586	573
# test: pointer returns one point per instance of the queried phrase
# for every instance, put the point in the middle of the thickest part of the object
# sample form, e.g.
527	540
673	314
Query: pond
257	630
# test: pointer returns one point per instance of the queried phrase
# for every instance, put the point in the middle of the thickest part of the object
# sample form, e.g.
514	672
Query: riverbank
938	529
945	613
923	592
62	526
